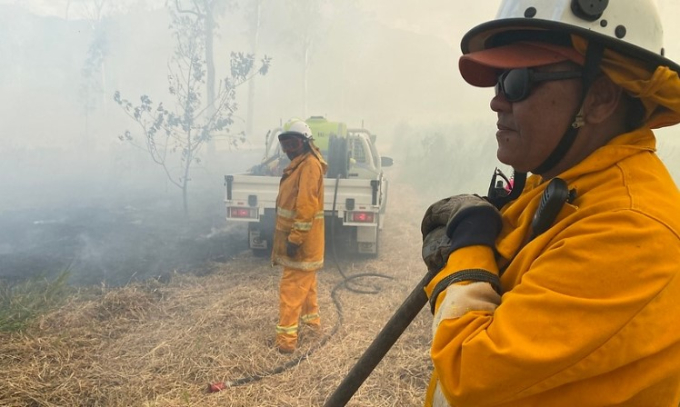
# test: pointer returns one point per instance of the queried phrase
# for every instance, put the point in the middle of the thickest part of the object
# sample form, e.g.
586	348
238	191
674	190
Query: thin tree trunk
251	84
305	80
210	68
185	179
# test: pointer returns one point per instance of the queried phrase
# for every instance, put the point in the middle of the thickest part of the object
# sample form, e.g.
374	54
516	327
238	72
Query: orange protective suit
589	311
300	220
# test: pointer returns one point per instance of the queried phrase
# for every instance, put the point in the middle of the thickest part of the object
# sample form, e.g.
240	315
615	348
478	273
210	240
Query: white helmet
630	27
297	127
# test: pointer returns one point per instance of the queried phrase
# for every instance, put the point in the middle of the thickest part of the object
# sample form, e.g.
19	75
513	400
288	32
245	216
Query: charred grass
161	344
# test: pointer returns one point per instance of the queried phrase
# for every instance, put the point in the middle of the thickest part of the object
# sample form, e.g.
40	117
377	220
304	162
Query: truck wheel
261	236
377	245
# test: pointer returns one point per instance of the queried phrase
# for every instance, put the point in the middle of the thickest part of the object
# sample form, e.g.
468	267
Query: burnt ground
110	219
157	343
122	239
112	244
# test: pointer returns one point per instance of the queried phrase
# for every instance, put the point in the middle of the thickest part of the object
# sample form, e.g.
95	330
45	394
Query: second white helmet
297	127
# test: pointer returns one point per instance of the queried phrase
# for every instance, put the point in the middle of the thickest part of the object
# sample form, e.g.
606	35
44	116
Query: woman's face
291	145
529	129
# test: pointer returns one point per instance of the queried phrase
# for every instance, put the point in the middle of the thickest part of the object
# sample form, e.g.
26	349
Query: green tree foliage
174	134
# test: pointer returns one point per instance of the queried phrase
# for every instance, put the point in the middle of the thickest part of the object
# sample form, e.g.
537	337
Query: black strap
591	69
477	275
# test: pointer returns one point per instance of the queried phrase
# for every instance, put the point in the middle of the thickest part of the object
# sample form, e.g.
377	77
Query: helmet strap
591	68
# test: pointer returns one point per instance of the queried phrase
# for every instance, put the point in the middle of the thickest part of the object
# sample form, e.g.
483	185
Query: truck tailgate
240	186
359	190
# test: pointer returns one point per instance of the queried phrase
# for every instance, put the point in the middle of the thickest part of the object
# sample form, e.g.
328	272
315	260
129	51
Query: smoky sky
72	191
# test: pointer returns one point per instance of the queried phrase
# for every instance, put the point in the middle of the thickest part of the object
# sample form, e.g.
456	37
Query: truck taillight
362	217
235	212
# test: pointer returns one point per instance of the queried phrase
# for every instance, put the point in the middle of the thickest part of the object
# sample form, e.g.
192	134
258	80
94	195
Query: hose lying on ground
346	283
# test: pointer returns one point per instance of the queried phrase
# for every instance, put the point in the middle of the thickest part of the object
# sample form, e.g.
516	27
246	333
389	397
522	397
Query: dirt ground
160	343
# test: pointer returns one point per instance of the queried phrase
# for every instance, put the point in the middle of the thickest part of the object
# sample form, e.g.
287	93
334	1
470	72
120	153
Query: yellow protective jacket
299	213
590	309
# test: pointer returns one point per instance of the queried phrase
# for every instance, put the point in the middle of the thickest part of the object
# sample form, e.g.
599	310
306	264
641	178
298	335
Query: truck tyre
377	245
265	229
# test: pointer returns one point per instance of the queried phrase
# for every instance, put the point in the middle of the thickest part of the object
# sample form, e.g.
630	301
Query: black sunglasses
290	144
516	83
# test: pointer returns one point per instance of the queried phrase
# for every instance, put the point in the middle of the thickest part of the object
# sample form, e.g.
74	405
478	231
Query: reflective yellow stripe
285	213
286	329
309	317
302	225
288	214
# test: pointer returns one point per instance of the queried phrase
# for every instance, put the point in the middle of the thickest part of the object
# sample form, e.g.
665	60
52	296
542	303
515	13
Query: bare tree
254	18
175	138
205	13
303	27
68	7
92	88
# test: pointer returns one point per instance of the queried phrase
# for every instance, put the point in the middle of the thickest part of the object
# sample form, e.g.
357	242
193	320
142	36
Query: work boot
311	331
284	350
286	343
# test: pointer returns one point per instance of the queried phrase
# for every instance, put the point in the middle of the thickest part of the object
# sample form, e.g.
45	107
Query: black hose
338	306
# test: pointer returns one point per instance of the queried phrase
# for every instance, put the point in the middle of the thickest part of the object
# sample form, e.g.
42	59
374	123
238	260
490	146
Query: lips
504	132
502	127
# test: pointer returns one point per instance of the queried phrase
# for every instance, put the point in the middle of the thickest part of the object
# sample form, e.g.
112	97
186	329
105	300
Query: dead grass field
160	344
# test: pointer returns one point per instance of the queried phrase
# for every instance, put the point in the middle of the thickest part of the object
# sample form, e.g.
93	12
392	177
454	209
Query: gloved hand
466	220
291	249
440	212
436	249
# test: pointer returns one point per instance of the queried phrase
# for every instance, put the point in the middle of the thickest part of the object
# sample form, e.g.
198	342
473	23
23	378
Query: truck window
358	152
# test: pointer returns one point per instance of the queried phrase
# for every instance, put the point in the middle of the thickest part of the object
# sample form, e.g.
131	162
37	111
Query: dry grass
154	344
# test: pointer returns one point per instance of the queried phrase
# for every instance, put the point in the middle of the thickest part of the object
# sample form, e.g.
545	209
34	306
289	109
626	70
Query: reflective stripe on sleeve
302	225
285	213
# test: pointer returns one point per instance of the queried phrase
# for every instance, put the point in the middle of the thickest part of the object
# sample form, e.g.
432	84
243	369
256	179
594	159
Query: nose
500	104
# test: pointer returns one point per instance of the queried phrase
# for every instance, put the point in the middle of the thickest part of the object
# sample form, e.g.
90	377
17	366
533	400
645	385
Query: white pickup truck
355	189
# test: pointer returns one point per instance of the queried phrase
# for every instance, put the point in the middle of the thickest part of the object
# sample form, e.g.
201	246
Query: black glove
291	249
440	212
456	222
436	249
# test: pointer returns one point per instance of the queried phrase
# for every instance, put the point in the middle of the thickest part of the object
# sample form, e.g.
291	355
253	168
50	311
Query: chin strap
591	69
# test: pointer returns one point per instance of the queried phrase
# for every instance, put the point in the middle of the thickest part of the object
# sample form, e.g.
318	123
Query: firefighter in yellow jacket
566	291
299	234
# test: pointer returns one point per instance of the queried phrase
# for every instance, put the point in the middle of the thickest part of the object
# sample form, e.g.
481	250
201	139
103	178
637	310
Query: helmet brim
486	35
481	68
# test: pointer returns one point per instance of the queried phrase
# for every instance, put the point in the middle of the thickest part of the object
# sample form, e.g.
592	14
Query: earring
579	120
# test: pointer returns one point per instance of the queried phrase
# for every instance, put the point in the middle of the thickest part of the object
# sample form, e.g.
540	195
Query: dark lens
290	144
515	84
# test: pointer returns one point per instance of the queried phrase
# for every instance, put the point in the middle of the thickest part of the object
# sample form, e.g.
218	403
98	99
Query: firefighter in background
299	234
585	311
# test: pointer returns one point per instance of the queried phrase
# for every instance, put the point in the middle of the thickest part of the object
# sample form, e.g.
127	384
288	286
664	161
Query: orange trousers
297	301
